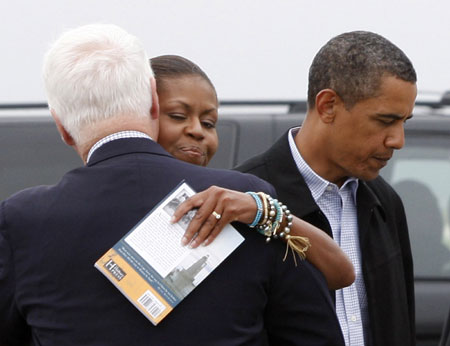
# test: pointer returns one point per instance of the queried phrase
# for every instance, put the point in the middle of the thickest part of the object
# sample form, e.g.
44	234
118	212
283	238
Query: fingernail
172	219
184	241
193	244
205	243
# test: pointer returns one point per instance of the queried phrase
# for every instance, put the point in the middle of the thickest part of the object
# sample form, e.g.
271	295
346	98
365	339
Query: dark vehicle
32	154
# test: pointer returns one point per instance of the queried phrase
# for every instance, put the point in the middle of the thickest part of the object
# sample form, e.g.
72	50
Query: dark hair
174	66
353	63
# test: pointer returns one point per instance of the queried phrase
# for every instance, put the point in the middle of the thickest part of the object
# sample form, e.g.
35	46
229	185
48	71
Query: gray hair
353	63
96	72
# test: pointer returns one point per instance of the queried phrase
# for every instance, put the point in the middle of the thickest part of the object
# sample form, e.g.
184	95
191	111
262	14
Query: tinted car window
420	174
32	154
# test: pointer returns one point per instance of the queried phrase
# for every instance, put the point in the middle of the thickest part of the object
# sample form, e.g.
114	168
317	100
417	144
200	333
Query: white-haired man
102	96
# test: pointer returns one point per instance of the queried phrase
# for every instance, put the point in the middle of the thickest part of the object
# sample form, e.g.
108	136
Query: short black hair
353	63
175	66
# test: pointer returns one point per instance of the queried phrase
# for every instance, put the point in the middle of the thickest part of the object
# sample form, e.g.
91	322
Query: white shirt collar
113	137
316	184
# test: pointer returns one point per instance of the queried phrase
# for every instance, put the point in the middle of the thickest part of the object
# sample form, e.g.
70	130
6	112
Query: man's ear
326	102
154	111
65	136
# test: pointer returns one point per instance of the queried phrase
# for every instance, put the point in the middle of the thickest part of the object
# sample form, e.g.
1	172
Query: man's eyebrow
394	116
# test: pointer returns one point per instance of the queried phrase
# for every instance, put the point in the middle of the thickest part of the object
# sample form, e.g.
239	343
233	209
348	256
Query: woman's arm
231	205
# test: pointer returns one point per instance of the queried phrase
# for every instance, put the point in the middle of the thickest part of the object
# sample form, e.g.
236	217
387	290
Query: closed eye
209	124
390	119
177	116
387	121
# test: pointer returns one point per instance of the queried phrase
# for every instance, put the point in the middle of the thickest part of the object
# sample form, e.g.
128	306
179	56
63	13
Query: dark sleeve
13	328
300	310
254	166
397	223
260	185
445	338
408	268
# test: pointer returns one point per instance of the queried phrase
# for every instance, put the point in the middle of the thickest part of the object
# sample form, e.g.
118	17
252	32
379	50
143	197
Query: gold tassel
298	245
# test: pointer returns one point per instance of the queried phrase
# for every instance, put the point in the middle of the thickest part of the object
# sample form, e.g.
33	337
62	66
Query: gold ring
216	215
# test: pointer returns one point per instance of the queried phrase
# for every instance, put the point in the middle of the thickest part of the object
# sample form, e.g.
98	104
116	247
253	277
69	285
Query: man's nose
396	137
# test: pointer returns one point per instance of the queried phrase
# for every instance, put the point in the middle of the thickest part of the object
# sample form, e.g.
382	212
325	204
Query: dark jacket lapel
283	173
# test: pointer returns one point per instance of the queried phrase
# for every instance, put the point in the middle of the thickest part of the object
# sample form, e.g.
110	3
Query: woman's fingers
189	204
203	219
226	219
216	207
213	225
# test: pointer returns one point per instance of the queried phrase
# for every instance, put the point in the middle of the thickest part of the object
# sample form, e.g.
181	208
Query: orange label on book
135	288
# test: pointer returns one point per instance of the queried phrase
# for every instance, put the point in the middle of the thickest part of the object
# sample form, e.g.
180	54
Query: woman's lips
192	151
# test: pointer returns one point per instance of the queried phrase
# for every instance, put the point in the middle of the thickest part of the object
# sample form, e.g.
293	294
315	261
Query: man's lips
383	160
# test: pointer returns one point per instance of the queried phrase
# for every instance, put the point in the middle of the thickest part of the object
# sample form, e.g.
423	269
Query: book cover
150	266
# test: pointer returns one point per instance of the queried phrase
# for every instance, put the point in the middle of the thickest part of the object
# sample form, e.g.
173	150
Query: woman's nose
194	128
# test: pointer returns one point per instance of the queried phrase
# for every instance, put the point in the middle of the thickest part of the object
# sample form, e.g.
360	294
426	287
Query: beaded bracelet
259	205
269	219
278	218
266	227
265	215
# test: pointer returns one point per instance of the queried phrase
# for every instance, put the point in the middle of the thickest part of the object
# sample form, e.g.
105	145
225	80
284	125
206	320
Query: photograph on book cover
173	204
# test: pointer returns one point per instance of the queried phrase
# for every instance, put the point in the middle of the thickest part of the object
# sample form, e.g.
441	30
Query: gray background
257	49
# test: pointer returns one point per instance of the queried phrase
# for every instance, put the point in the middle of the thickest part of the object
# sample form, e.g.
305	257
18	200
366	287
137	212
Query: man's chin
368	176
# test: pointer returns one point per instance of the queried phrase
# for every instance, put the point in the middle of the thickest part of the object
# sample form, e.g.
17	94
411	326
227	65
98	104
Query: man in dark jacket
362	89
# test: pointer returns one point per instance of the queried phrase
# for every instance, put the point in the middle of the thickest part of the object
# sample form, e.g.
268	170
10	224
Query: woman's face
188	116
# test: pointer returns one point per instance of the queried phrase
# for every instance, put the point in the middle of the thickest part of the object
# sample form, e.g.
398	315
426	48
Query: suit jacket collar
283	173
125	146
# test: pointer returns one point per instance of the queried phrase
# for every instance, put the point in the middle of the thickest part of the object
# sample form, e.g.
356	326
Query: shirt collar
316	184
113	137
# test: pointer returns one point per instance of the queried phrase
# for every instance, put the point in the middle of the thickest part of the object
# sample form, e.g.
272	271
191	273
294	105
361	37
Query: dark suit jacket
51	236
385	249
445	338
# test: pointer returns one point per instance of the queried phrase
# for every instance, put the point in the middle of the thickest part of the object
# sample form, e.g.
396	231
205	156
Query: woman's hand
216	207
231	205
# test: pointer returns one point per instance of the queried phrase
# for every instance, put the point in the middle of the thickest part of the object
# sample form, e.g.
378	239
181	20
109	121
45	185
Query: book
150	266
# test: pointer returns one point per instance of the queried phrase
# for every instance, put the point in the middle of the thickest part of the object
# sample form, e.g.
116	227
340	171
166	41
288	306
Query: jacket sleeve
300	309
13	327
408	270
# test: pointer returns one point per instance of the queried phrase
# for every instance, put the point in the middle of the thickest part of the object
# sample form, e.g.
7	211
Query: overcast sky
256	49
